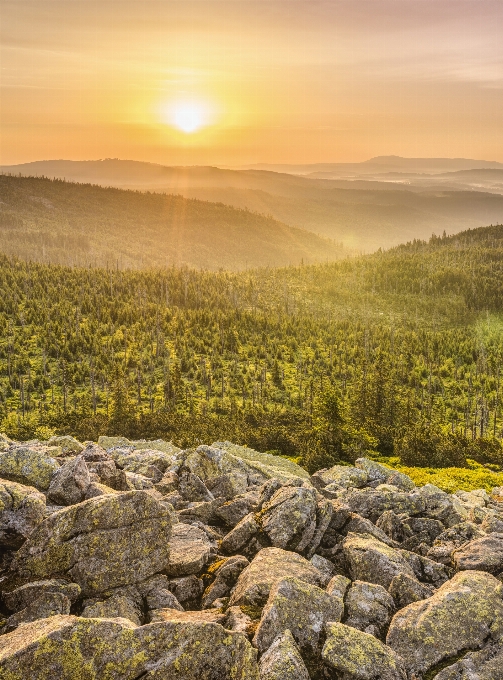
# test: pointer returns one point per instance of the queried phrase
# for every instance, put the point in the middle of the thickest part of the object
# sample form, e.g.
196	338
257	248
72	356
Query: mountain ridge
72	223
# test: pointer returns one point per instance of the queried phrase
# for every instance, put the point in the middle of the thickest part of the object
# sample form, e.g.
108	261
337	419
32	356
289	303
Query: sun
188	116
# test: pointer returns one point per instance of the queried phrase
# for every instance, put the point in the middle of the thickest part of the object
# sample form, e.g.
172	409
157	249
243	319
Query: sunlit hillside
78	224
408	343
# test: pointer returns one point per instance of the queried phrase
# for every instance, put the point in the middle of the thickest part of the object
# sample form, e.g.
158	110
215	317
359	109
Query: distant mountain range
381	164
379	203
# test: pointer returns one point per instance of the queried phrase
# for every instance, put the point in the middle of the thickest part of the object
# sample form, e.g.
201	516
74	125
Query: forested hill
399	352
363	211
77	224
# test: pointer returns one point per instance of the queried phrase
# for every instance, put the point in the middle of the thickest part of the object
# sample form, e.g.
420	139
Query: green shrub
424	446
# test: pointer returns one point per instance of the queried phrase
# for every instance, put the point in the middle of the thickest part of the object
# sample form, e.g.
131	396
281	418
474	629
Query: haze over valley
365	206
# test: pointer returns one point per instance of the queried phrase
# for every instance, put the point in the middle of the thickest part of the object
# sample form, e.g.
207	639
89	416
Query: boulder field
122	560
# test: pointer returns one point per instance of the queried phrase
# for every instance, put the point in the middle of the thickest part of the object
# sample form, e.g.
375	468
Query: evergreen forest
398	353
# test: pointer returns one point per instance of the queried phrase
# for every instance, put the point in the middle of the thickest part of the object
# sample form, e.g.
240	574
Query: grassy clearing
451	479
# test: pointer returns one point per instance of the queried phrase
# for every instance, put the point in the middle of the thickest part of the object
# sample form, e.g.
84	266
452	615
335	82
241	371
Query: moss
29	466
252	611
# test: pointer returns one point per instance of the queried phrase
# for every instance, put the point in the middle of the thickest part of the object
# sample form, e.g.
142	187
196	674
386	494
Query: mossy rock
72	648
32	465
101	543
463	614
360	656
21	509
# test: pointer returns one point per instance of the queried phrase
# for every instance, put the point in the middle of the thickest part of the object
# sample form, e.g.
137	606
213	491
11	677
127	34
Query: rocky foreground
126	560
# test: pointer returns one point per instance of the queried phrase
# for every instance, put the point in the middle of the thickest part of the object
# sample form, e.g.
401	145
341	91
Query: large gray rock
465	613
289	518
238	621
282	661
376	473
21	509
141	461
338	586
401	481
492	525
369	607
324	512
113	443
157	595
359	656
405	590
68	648
427	570
372	561
189	550
235	510
204	511
192	488
45	605
484	665
29	464
108	472
360	525
94	453
264	465
371	503
240	536
482	554
228	486
22	597
268	567
69	445
124	605
343	476
301	608
187	589
102	543
452	538
439	505
69	483
199	616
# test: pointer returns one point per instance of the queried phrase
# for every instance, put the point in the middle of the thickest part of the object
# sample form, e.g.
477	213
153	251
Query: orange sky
285	82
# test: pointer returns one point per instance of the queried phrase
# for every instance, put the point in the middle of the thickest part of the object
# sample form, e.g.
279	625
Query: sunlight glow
188	116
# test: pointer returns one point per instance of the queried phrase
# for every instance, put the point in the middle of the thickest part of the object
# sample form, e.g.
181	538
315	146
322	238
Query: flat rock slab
189	550
21	597
463	614
371	503
100	544
72	648
360	656
268	567
482	554
203	616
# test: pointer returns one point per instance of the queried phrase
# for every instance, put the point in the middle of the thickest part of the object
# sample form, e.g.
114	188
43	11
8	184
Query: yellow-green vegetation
398	353
450	479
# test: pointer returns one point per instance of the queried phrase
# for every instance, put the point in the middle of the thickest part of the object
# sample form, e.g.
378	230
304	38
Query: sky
236	82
